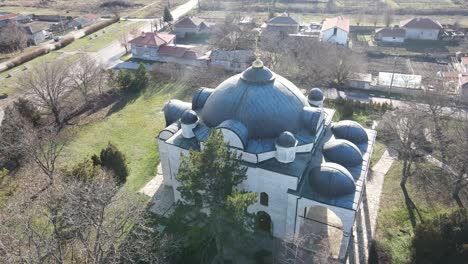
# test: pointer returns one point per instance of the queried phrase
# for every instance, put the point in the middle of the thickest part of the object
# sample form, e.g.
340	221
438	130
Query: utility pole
393	75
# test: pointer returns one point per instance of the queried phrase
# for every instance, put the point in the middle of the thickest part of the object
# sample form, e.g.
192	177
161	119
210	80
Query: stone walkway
162	197
366	217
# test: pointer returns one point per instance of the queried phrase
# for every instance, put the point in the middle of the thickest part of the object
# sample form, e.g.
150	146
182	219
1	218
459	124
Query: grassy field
103	37
132	124
428	191
9	85
364	19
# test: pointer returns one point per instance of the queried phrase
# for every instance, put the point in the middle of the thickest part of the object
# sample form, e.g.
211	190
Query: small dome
189	117
174	109
315	95
351	131
257	73
342	152
286	140
331	179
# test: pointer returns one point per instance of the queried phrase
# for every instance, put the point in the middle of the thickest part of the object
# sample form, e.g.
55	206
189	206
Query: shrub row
27	56
101	25
64	42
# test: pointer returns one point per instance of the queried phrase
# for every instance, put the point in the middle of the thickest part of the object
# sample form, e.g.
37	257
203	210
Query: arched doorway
321	231
263	222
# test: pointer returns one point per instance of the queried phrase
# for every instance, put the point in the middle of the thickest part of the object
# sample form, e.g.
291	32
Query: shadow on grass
411	207
122	101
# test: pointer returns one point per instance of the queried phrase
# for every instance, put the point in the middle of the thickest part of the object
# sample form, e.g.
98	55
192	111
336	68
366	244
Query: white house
308	172
189	25
283	24
421	28
390	34
335	30
146	46
231	60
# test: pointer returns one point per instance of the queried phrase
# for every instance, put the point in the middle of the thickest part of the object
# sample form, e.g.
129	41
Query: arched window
264	198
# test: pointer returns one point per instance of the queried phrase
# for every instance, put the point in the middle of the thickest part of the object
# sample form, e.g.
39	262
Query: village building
189	25
36	32
360	81
146	45
282	24
83	21
390	34
231	60
161	47
335	30
309	173
422	28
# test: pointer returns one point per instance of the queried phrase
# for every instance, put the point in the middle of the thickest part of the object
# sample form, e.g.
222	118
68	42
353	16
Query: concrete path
162	197
366	217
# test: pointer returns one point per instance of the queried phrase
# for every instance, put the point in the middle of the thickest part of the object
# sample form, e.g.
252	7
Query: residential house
390	34
83	21
421	28
335	30
5	19
189	25
35	32
283	24
161	47
360	80
233	60
146	45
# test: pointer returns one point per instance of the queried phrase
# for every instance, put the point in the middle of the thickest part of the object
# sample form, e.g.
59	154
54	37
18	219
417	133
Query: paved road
110	55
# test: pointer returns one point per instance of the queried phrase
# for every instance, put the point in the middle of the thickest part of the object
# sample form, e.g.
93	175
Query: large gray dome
266	103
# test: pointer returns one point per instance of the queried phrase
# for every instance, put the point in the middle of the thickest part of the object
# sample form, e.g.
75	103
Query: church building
309	172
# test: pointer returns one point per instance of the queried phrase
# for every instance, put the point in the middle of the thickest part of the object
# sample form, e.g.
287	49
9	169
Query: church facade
308	171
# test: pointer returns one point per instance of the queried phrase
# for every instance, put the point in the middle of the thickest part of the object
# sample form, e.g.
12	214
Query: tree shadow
123	101
411	207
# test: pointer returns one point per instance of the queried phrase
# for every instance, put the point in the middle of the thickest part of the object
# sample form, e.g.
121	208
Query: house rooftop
421	23
153	39
7	16
392	32
283	19
185	22
336	22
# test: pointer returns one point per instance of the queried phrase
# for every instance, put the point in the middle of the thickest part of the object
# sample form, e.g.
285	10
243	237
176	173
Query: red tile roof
153	39
185	22
338	22
421	23
464	60
8	16
172	51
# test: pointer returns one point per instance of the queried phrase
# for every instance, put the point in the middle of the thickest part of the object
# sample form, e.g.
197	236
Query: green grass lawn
429	193
103	37
133	129
377	152
9	85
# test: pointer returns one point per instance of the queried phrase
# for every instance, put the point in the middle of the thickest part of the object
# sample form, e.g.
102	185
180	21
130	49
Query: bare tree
230	36
13	37
126	37
405	131
15	132
79	220
374	19
458	144
388	16
48	84
85	76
